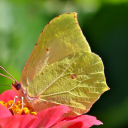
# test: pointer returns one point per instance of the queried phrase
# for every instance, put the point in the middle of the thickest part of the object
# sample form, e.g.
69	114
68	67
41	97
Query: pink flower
51	117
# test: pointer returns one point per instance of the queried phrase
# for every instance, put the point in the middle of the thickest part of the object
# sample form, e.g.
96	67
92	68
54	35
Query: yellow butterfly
61	69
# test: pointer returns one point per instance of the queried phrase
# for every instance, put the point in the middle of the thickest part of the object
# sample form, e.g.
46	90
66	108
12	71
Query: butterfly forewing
61	37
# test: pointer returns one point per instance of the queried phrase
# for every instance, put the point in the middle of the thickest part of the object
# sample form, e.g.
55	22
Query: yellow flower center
16	108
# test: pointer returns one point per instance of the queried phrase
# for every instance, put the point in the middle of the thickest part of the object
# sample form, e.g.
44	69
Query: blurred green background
105	26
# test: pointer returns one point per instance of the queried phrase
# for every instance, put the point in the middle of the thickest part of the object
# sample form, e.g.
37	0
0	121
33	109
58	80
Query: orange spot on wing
47	49
73	76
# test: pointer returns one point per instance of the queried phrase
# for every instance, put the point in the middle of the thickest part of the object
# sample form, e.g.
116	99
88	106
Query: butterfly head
16	87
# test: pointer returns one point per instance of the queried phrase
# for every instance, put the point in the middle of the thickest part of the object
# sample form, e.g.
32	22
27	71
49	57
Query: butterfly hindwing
76	81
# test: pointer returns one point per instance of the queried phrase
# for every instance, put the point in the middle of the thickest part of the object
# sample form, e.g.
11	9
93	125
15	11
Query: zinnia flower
48	118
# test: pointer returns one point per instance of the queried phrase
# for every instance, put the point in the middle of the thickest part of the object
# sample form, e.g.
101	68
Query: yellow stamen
9	103
2	102
16	109
33	113
26	110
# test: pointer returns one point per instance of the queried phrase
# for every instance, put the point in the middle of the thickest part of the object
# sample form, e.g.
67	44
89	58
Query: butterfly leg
17	97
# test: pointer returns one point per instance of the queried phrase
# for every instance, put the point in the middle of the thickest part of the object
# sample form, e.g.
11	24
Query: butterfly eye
73	76
17	85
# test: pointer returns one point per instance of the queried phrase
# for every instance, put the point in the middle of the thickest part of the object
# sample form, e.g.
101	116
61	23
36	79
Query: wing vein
57	77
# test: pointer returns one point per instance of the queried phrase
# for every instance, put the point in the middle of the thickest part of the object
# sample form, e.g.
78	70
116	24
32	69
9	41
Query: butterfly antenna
13	79
4	85
7	77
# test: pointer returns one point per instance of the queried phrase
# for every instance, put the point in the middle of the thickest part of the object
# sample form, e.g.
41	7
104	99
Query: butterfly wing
61	37
62	70
79	84
76	81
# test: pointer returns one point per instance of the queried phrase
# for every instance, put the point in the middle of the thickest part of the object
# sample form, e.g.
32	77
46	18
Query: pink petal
89	121
76	125
71	122
27	121
46	118
18	121
7	95
4	112
50	116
